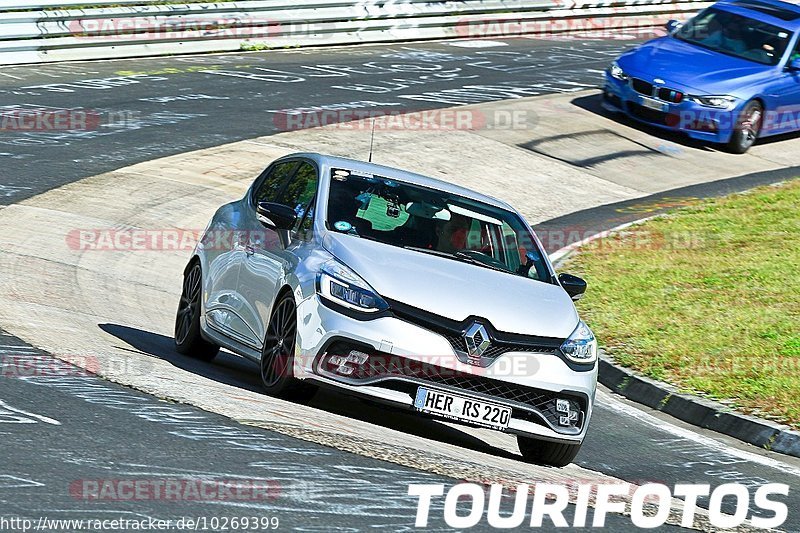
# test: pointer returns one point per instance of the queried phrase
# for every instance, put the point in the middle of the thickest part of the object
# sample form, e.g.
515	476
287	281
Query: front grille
642	87
663	93
652	115
496	349
453	331
380	367
670	95
540	400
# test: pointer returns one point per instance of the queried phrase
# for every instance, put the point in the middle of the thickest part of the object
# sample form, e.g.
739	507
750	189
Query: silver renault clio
400	288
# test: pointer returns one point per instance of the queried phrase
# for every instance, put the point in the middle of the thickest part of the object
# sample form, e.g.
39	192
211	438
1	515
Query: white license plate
460	408
654	104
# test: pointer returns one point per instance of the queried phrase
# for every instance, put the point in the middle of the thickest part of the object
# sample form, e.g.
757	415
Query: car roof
776	12
399	175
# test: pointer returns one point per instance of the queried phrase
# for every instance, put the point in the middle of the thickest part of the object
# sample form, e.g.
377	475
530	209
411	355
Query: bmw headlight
339	284
616	72
581	346
717	102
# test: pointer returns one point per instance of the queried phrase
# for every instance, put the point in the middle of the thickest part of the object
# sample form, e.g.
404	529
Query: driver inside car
452	234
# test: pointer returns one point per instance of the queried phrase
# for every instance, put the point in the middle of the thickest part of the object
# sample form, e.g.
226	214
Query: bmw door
783	99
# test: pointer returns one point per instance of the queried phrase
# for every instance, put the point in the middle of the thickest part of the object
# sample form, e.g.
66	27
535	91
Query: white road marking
11	190
609	402
4	347
17	482
477	44
40	418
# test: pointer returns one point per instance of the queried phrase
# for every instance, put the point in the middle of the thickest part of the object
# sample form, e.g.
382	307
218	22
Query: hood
456	290
686	66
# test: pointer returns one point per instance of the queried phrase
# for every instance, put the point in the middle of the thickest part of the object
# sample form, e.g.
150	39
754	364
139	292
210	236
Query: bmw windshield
736	35
433	222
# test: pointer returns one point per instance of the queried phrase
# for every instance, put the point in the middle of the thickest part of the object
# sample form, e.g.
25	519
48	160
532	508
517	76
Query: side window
269	189
299	194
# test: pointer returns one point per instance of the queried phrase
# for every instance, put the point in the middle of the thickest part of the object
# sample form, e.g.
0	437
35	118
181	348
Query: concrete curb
699	411
695	410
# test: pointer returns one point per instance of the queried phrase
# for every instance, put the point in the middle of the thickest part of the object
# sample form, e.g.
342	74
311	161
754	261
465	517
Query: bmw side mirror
573	285
276	216
673	25
794	65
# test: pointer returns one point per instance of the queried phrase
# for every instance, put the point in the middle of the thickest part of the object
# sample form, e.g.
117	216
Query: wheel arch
194	259
283	291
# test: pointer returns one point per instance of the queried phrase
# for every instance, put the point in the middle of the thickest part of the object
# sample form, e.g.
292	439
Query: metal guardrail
58	30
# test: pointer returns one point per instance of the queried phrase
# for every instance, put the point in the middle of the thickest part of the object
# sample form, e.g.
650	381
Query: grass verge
706	298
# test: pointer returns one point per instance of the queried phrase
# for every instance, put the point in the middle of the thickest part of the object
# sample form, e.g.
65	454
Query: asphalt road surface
73	444
150	108
147	108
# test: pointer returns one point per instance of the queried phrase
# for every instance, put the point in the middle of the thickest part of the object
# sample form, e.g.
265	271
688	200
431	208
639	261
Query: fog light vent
345	365
568	412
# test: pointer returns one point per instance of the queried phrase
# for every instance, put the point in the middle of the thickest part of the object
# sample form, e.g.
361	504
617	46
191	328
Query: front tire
188	339
748	126
277	356
546	452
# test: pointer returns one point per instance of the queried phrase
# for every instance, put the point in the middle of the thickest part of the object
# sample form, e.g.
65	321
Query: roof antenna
371	140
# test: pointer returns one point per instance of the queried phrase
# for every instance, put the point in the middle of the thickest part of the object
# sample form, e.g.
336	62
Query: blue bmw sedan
730	75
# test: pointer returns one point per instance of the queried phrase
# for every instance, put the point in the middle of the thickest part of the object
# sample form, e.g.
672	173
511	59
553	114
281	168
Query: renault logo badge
477	340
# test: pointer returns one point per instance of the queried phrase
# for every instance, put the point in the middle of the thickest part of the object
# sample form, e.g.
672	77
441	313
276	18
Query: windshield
736	35
432	222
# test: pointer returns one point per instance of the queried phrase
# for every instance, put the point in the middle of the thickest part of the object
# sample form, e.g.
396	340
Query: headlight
617	73
717	102
581	346
341	285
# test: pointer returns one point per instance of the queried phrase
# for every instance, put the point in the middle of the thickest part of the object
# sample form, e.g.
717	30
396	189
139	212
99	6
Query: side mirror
673	25
794	65
276	216
573	285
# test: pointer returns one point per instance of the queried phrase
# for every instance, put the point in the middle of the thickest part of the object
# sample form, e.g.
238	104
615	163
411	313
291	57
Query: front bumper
405	355
696	121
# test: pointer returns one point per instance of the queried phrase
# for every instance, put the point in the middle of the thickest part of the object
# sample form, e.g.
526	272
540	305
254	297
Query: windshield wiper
458	256
428	251
475	261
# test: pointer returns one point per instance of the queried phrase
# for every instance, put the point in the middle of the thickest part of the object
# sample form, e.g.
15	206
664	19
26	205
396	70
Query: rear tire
546	452
277	356
748	126
188	339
